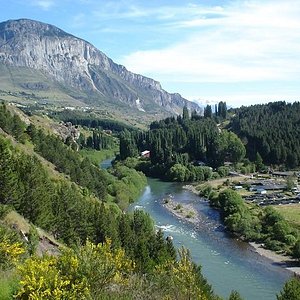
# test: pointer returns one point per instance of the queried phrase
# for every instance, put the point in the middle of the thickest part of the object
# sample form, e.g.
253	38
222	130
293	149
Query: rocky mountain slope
76	65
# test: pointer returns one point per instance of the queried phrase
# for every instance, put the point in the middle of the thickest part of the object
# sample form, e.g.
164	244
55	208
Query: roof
145	152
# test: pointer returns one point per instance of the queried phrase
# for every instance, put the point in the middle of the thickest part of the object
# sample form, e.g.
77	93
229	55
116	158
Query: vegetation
255	224
272	130
89	121
290	291
178	145
115	255
110	250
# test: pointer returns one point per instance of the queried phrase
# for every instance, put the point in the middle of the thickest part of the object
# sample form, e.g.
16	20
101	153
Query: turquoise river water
226	262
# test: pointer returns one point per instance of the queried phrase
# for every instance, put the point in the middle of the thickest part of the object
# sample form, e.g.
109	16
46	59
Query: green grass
291	213
15	218
98	156
8	284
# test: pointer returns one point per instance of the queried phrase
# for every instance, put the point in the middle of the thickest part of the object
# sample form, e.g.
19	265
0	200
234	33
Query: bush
178	207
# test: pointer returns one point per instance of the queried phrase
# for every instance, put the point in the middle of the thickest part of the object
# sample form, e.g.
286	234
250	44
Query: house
145	153
261	191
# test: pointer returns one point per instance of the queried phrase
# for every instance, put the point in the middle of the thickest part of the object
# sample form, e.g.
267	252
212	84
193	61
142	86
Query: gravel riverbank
186	212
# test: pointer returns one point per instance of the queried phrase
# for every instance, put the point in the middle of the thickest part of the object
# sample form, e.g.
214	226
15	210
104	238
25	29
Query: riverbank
191	188
284	261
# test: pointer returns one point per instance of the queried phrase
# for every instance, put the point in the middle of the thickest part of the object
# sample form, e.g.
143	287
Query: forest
272	130
179	146
249	138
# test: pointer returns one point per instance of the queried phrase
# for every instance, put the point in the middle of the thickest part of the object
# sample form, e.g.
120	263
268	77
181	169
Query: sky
241	52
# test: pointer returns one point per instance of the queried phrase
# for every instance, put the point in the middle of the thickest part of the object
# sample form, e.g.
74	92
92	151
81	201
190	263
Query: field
291	213
98	156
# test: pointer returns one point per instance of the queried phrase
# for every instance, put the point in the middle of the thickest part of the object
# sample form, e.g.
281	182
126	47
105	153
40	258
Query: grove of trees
177	145
272	130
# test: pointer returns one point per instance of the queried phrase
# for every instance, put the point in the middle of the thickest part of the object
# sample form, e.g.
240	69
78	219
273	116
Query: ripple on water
139	207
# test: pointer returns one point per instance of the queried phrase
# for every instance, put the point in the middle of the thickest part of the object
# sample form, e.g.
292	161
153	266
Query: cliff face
78	64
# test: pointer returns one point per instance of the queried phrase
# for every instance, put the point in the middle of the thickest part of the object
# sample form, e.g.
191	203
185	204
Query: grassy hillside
31	87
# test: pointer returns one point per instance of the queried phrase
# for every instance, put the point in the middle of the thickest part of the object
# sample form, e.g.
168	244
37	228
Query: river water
227	263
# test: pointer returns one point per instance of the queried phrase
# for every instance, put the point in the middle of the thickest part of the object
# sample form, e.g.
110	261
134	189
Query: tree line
91	121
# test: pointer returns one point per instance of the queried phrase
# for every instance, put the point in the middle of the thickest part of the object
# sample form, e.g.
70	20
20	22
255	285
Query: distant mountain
40	58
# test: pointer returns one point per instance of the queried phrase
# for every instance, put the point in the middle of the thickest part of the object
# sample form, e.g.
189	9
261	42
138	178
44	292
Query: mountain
42	60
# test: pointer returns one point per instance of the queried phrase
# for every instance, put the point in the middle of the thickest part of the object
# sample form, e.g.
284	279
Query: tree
222	110
234	295
8	178
290	291
296	250
258	162
178	172
289	183
185	113
181	279
235	149
207	111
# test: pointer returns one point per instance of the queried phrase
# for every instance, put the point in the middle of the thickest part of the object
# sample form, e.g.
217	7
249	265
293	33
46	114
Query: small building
261	191
238	187
145	153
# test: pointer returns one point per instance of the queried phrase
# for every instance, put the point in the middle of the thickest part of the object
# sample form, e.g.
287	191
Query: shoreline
286	262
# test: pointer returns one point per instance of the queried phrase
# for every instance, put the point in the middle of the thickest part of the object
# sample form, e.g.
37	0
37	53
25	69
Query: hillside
107	254
40	62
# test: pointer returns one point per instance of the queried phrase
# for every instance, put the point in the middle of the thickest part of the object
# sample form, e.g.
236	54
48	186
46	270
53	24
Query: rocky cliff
76	63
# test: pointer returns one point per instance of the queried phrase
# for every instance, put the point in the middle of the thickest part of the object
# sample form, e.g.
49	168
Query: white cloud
244	41
44	4
237	100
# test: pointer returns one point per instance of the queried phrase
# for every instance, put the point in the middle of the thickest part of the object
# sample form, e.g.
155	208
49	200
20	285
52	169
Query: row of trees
91	121
219	113
98	140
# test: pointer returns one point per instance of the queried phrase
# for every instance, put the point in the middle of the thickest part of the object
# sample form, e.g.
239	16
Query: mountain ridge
78	64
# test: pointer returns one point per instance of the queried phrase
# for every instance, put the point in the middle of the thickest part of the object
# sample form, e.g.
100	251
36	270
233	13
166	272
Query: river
227	263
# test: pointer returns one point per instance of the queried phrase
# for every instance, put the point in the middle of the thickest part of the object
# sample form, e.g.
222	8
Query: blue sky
241	52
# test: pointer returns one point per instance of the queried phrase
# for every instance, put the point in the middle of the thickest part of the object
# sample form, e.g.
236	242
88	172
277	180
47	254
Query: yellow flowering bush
10	252
179	279
75	274
42	279
103	266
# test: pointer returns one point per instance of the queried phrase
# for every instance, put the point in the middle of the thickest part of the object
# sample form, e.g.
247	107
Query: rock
78	64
